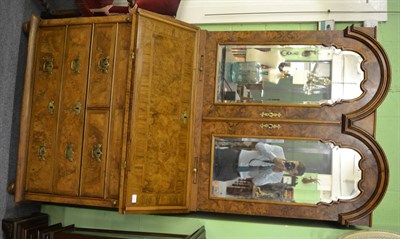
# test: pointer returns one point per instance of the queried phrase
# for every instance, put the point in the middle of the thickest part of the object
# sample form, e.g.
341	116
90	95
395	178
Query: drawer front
94	155
72	110
102	65
45	108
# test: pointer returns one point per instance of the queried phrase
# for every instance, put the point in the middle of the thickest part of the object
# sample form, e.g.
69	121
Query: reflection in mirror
302	171
287	74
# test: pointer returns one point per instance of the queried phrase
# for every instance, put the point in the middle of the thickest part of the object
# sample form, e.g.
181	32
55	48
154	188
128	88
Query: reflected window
287	74
303	171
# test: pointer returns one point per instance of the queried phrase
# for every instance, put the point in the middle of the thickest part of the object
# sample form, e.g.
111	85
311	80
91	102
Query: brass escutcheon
77	108
51	107
96	152
270	126
185	117
270	115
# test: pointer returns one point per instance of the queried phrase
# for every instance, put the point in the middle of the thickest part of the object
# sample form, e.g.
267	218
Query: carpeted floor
12	63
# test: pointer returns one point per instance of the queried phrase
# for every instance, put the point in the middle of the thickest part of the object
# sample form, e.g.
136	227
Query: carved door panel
159	157
45	109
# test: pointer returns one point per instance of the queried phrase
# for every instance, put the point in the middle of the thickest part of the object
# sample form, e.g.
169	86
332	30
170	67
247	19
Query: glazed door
159	157
278	91
279	76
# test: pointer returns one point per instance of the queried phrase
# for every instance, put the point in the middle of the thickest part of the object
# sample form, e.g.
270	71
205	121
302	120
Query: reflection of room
332	173
288	74
343	182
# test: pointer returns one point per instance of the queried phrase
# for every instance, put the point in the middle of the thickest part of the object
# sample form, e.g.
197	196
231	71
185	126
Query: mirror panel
285	170
287	74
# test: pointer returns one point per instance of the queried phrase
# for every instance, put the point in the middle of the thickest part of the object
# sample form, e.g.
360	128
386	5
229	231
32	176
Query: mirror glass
287	74
285	170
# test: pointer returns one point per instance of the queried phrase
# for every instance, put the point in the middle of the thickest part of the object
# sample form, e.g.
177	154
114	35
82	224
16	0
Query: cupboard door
72	110
236	173
159	155
280	76
45	109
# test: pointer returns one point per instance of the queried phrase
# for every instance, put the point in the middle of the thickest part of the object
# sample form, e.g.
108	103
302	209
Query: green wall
386	216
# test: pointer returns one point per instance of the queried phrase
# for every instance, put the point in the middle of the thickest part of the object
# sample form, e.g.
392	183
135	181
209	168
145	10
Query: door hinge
201	63
133	55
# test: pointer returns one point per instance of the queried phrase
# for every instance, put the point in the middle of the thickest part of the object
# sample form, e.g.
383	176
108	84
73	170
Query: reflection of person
284	67
265	165
273	75
272	62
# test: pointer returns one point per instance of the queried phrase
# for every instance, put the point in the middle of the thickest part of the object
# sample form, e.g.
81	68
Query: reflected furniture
124	111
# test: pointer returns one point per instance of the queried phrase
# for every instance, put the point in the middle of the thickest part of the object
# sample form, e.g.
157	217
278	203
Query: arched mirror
284	170
287	74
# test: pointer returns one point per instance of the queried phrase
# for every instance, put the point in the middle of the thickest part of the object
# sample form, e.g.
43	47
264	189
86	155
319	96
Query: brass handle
270	126
96	152
104	64
77	108
69	152
48	65
51	107
76	65
42	152
270	115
